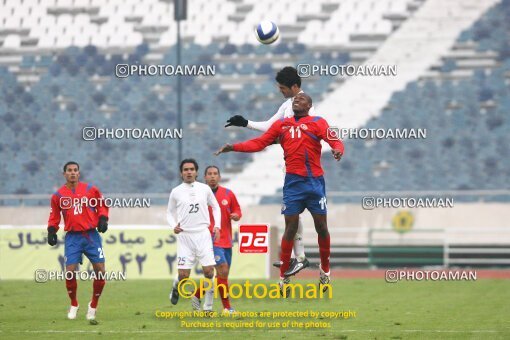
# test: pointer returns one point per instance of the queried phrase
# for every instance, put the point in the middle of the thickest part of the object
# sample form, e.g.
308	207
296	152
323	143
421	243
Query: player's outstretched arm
224	148
255	144
337	146
237	120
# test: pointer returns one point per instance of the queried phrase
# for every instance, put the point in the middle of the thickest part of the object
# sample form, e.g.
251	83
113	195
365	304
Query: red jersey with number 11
300	138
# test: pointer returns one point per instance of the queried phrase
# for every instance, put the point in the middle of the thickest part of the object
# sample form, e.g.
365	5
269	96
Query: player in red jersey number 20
83	220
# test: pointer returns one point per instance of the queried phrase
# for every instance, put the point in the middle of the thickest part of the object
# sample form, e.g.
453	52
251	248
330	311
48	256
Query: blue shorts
79	243
222	255
301	192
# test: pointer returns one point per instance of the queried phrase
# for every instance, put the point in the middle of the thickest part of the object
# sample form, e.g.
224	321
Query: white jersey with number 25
188	206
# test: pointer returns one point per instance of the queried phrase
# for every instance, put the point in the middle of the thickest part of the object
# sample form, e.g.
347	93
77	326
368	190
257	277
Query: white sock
299	246
209	297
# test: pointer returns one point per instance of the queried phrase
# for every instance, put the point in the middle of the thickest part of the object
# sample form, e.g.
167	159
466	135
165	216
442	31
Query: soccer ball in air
267	32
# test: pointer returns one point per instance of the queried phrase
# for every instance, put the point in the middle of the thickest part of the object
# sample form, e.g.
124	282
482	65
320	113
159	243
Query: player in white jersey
188	216
289	84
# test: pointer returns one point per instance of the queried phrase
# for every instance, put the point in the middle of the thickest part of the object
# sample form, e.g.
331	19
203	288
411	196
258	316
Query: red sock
72	287
324	249
222	285
98	288
285	255
197	294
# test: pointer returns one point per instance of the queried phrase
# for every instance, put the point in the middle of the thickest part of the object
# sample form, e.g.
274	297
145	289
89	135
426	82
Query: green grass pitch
403	310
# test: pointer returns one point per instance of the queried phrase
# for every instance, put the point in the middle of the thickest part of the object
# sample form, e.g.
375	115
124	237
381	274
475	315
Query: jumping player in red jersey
82	207
230	211
304	186
289	85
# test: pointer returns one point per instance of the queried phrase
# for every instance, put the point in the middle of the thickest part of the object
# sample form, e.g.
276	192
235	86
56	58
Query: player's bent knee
209	272
72	270
99	268
290	231
323	232
321	229
222	270
183	274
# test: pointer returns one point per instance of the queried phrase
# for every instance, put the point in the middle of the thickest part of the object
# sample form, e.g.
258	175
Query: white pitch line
270	330
150	331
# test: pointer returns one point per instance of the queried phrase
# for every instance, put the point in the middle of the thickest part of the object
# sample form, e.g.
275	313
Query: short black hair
288	76
189	160
212	166
71	163
307	97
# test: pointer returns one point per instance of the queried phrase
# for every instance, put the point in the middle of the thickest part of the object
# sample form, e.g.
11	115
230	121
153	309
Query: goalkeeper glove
237	120
102	226
52	236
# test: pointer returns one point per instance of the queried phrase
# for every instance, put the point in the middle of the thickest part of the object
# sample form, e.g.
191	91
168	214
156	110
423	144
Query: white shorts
193	246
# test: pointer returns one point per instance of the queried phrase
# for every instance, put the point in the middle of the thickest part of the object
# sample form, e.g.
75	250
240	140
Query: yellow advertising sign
142	252
403	221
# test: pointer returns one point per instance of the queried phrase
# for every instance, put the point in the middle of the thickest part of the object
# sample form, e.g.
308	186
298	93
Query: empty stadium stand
57	76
